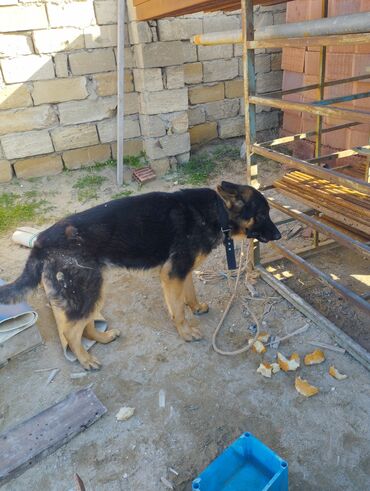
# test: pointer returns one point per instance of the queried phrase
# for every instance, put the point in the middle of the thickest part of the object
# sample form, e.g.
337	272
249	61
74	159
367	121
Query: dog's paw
190	333
201	308
90	362
112	334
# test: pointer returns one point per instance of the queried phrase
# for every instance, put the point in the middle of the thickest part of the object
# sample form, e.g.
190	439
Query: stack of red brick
301	67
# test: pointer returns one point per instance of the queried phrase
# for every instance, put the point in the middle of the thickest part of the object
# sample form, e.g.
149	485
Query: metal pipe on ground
343	24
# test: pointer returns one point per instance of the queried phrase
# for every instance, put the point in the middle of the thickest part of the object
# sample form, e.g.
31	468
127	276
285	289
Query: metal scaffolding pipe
343	24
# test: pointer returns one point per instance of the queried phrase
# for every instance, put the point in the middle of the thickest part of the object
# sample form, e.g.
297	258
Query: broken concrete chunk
125	413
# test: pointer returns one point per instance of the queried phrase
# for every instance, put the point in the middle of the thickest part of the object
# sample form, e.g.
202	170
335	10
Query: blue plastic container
246	465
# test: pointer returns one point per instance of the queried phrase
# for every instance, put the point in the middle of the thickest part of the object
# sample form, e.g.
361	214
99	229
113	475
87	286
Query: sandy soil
210	399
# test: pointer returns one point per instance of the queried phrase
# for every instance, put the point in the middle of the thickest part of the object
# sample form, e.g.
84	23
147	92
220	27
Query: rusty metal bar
340	237
338	155
335	112
301	136
316	171
357	351
325	278
330	83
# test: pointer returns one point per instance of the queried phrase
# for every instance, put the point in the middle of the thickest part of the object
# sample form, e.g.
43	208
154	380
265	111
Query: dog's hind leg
70	333
173	290
191	298
91	332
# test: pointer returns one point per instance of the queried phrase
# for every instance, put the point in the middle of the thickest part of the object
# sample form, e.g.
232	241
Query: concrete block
86	157
12	45
203	133
228	108
262	63
106	83
48	165
30	118
106	11
61	65
14	95
71	137
197	115
23	18
189	52
59	90
234	88
107	129
176	123
159	54
204	93
267	120
221	22
100	36
54	40
131	103
193	73
152	126
26	68
215	52
75	112
220	70
98	60
229	128
164	101
6	172
71	14
179	28
132	147
183	158
27	144
276	60
161	166
168	145
267	82
140	32
148	79
174	77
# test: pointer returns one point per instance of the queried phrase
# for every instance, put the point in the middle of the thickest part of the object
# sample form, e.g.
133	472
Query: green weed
16	210
198	170
88	187
122	194
136	161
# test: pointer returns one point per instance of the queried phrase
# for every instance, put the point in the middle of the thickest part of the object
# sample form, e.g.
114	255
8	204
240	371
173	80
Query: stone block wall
58	75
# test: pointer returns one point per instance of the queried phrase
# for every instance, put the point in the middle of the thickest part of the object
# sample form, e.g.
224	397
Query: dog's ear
229	192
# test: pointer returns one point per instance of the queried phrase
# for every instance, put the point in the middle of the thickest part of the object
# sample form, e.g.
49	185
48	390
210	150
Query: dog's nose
276	235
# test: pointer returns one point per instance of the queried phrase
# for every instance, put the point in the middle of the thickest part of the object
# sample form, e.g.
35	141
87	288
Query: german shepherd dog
172	231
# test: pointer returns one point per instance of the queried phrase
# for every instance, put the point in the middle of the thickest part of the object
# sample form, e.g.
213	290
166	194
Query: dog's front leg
191	297
173	290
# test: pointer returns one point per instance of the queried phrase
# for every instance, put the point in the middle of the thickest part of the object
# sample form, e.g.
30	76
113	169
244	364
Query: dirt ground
209	399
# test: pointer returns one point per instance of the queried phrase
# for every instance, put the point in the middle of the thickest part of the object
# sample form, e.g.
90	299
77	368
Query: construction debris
77	375
167	483
288	364
304	388
314	358
334	373
327	346
52	376
125	413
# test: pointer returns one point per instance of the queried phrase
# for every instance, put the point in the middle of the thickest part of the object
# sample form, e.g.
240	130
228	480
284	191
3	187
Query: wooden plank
353	348
156	9
39	436
314	170
21	343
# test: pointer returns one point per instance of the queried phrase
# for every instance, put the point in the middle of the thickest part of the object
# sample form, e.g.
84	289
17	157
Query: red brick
312	63
292	121
293	59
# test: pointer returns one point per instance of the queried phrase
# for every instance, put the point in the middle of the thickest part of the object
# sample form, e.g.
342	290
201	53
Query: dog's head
249	212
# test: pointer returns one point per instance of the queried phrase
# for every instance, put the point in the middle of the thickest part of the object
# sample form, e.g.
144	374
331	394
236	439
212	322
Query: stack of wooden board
342	206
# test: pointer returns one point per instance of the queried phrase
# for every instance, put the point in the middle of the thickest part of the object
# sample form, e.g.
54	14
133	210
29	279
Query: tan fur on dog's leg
91	332
173	289
73	333
191	298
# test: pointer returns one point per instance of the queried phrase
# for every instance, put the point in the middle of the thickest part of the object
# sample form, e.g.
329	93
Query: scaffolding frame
320	108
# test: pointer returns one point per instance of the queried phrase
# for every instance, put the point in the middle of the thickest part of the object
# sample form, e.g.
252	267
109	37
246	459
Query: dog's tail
28	280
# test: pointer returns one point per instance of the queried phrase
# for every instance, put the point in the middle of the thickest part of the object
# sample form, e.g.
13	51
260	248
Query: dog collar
223	218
